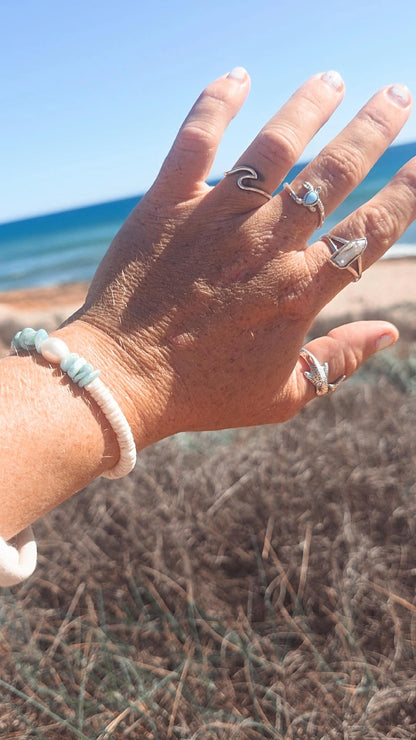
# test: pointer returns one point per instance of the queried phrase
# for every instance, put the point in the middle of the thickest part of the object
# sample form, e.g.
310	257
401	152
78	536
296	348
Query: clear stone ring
345	252
310	200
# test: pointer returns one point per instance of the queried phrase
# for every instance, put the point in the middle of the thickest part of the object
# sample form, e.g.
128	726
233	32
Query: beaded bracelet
18	560
56	352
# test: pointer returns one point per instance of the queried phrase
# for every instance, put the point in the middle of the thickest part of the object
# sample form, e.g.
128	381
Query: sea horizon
66	246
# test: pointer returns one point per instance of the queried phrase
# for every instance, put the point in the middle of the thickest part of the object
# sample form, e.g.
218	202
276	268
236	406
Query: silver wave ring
310	200
345	252
318	374
250	174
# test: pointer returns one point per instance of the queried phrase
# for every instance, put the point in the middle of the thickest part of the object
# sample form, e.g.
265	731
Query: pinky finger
345	349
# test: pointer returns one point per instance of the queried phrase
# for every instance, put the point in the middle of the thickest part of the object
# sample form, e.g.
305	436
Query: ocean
66	247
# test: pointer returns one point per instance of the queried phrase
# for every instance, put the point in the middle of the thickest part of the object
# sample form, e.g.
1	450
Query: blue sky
92	93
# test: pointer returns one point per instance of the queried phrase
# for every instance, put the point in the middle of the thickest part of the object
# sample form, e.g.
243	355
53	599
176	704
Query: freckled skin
207	294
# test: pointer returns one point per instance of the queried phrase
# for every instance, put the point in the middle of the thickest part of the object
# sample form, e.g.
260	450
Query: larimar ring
318	374
250	174
310	200
345	252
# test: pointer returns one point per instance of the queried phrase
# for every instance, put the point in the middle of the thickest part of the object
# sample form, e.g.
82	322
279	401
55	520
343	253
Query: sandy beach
44	299
37	307
387	285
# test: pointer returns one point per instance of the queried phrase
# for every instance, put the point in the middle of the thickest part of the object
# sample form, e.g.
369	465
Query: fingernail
238	73
400	94
386	340
334	79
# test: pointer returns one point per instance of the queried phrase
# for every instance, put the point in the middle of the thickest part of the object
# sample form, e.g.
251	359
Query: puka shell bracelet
56	352
18	557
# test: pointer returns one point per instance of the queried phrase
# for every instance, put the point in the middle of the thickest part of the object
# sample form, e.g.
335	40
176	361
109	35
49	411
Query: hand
203	300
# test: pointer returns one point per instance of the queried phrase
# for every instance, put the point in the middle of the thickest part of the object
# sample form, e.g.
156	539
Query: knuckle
215	94
278	146
407	177
196	137
343	167
382	224
349	361
200	130
377	122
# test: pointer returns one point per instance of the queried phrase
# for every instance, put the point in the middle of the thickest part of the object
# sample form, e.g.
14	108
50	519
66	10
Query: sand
387	285
37	307
47	299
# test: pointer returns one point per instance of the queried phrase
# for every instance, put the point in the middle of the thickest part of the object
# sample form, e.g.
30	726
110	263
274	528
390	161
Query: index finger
190	159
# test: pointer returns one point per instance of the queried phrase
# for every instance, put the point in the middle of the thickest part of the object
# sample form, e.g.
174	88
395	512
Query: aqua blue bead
40	337
75	367
88	378
68	362
27	338
85	369
16	340
311	198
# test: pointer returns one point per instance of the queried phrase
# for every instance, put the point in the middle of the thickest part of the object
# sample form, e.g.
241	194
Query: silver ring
251	174
310	200
318	374
345	252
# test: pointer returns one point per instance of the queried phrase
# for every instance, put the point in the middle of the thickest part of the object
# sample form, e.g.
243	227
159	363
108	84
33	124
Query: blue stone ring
310	200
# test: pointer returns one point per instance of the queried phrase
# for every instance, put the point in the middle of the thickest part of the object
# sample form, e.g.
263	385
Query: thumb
344	349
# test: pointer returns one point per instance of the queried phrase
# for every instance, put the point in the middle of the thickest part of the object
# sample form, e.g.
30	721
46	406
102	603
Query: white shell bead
54	350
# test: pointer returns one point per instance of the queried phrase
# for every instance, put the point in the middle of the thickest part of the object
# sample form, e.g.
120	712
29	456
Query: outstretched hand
203	301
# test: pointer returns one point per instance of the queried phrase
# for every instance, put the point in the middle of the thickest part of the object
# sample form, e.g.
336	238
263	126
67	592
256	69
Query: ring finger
344	163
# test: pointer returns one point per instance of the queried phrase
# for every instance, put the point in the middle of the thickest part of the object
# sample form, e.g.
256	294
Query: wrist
134	382
54	440
80	434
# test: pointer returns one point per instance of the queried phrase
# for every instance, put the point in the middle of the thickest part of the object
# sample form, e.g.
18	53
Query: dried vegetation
239	585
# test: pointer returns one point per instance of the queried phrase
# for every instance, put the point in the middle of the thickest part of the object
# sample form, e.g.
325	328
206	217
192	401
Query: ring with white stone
318	374
310	200
345	252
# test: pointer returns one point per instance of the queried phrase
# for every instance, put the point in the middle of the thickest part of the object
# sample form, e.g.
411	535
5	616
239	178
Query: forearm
54	438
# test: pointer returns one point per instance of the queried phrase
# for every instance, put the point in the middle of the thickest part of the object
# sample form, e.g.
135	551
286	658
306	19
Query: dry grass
249	584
